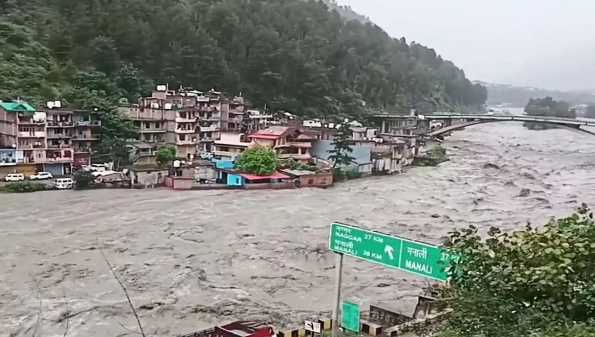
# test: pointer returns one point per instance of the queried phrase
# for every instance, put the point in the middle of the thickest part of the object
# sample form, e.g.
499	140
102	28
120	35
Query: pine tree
342	150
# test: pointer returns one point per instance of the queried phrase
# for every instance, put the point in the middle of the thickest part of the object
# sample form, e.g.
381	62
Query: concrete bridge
436	125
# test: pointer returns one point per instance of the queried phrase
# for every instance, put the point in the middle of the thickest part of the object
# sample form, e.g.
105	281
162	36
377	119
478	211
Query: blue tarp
225	164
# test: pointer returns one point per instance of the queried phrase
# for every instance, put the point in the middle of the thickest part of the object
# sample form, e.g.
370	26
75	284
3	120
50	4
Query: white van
14	177
64	183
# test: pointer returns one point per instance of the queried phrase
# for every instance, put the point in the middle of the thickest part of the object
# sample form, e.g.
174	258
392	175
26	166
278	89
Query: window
182	137
158	125
147	125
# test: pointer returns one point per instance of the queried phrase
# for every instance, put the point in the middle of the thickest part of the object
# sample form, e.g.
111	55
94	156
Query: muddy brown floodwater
194	259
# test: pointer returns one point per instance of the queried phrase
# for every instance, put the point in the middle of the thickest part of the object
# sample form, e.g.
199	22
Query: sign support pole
338	275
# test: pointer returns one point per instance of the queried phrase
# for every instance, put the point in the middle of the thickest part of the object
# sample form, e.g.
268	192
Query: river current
194	259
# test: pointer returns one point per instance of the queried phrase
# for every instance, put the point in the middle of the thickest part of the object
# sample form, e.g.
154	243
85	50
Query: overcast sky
541	43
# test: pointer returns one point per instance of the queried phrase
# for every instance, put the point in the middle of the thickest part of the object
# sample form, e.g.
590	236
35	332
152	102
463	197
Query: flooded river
194	259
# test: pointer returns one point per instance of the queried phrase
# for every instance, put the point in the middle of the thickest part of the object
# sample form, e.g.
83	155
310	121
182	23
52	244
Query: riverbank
194	259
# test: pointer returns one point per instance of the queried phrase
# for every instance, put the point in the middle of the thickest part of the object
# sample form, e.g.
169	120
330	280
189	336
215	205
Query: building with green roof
17	107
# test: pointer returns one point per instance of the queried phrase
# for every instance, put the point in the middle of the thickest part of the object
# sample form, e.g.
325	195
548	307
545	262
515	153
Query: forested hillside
293	55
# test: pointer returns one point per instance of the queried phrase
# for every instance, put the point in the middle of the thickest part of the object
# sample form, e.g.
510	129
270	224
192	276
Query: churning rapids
194	259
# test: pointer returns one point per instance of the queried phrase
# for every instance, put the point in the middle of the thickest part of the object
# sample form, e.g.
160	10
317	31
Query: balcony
186	131
88	123
211	128
82	150
226	154
59	146
32	134
32	122
55	124
59	136
211	119
83	138
35	146
185	142
151	130
186	120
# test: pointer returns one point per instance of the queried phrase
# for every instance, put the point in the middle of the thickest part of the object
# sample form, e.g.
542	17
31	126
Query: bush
165	156
83	180
438	153
258	160
340	174
24	187
353	174
532	282
295	165
435	156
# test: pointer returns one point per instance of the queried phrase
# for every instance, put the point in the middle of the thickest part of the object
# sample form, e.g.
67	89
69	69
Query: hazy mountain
520	96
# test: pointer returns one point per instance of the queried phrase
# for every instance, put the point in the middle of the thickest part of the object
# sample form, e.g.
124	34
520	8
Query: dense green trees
547	106
166	155
293	55
258	160
532	282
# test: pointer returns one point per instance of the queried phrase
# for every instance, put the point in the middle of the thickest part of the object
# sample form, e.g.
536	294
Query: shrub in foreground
24	187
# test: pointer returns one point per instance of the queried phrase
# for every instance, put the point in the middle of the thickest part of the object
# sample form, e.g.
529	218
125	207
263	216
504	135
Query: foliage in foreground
24	187
533	282
258	160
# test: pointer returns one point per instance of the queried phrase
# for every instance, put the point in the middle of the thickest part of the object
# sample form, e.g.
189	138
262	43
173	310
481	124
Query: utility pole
338	275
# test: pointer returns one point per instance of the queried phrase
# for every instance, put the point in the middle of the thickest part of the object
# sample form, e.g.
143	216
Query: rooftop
233	139
17	107
299	173
273	132
254	177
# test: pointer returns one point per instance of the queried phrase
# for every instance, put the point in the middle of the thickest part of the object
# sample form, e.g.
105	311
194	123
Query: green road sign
351	317
411	256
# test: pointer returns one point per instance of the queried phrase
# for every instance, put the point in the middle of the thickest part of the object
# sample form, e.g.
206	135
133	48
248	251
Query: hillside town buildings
52	139
208	130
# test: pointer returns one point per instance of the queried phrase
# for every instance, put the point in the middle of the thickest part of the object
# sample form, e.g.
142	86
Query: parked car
102	173
41	176
14	177
97	167
64	183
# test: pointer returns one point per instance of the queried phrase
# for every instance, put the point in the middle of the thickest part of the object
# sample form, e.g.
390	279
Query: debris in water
524	192
491	166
